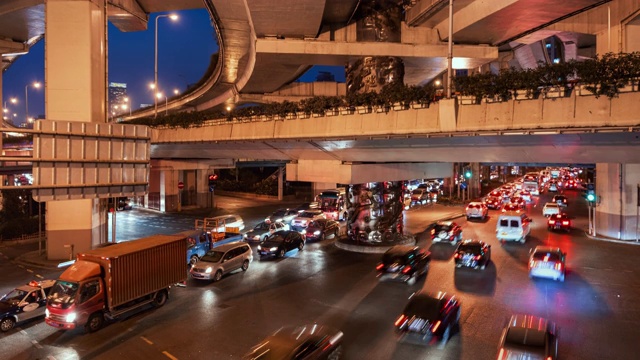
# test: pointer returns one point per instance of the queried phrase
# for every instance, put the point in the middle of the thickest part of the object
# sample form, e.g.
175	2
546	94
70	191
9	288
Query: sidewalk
606	238
34	259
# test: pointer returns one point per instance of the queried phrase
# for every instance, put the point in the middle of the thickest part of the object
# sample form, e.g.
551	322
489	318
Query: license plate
503	233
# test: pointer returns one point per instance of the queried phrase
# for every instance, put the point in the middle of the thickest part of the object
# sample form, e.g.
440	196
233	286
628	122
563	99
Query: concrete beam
9	6
12	47
471	14
127	15
332	171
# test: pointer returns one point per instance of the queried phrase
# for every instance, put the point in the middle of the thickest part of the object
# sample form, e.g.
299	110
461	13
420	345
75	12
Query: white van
513	226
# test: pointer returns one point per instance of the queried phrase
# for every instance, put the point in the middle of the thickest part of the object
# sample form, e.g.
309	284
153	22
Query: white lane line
39	276
146	340
23	332
166	353
35	343
29	270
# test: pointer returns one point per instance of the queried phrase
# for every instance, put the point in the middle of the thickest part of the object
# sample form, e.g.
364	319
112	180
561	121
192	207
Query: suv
561	200
477	210
529	337
547	262
405	263
222	260
303	219
447	232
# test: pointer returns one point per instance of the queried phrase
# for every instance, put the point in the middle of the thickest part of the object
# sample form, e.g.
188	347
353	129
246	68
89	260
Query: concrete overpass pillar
280	182
75	90
617	189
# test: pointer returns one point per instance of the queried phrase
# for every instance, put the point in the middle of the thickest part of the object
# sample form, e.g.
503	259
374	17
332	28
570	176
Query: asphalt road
596	307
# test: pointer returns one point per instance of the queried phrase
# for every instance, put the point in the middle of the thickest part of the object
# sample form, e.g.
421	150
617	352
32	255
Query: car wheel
561	278
193	260
411	281
301	245
523	239
160	298
217	276
245	265
335	354
281	253
7	324
94	323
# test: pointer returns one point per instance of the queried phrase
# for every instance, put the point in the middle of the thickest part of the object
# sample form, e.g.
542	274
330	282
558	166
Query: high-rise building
117	93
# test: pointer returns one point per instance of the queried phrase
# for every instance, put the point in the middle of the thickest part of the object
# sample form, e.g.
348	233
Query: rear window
423	307
522	336
474	206
401	259
471	249
543	256
514	223
439	228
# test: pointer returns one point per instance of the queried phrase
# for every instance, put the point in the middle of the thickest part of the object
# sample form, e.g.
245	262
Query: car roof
529	324
472	242
30	286
229	246
547	249
400	249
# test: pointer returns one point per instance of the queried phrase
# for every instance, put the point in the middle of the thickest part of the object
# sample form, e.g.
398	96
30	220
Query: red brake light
551	222
558	266
566	222
457	256
380	266
400	320
435	326
406	269
433	231
531	264
478	257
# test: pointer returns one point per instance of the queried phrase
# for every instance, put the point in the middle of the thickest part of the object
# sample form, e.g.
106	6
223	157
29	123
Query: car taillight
565	222
551	222
433	231
435	326
565	200
379	267
400	320
558	266
531	264
406	269
457	255
501	354
478	257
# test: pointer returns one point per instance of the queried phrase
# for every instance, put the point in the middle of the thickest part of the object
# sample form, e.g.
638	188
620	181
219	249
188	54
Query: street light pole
26	98
155	76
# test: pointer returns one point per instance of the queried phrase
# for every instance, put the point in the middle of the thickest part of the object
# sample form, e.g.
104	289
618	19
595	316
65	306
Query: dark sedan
308	342
559	222
446	232
493	203
405	263
473	253
320	229
428	318
529	337
280	243
512	207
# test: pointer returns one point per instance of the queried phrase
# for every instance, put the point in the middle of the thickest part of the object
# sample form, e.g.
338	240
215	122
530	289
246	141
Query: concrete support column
280	182
475	180
202	188
75	90
169	190
616	188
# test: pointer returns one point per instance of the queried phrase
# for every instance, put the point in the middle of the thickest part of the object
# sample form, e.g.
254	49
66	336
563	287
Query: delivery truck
111	281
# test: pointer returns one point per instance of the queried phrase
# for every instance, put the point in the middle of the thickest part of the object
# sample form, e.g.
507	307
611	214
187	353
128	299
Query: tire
561	278
160	298
245	265
94	323
7	324
193	260
217	276
301	245
335	354
411	281
281	253
524	238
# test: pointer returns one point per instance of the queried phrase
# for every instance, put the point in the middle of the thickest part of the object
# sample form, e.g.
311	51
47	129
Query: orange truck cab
110	281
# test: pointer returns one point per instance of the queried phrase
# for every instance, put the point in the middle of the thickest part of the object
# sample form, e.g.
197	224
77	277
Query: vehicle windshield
544	256
395	259
439	228
63	292
275	238
328	204
14	296
262	226
471	249
424	308
306	214
315	224
212	256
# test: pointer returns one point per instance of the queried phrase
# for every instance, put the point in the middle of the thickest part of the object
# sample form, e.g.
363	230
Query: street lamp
173	17
166	102
126	105
176	91
26	97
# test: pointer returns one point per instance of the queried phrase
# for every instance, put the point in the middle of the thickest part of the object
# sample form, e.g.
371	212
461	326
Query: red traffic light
213	177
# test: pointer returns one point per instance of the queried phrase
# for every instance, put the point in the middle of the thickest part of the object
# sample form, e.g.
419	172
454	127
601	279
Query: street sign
180	185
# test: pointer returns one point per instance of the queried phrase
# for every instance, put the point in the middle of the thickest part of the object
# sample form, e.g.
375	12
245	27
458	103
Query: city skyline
131	61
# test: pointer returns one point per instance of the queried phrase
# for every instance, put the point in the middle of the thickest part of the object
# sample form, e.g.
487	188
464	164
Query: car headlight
273	248
278	220
46	312
70	317
316	233
208	271
256	237
244	236
303	232
259	247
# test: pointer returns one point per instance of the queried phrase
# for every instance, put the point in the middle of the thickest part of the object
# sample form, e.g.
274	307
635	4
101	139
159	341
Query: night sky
184	50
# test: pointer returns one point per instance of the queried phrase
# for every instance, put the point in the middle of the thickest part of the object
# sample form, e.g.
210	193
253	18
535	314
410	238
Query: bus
530	183
333	204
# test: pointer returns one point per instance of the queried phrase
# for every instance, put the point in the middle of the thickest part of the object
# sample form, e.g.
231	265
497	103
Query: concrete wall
535	114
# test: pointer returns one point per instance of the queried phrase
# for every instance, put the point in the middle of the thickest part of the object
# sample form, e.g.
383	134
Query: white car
550	209
477	210
303	219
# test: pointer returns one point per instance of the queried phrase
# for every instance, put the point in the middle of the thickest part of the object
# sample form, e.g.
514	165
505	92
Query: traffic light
212	181
591	197
467	174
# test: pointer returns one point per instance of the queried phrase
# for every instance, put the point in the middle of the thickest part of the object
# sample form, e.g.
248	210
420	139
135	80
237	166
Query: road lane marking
23	332
39	276
146	340
166	353
35	343
21	266
29	270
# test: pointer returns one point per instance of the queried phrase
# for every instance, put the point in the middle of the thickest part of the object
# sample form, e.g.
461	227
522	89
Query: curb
23	261
599	238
